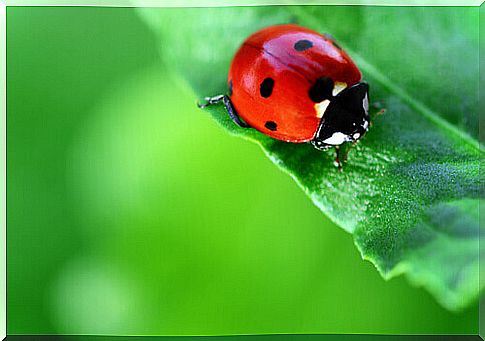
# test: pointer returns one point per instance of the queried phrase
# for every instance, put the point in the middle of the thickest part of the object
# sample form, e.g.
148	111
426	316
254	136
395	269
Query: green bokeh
132	212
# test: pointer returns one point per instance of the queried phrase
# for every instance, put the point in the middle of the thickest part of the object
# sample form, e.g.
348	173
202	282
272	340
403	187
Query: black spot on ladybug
271	125
266	87
321	90
230	87
302	45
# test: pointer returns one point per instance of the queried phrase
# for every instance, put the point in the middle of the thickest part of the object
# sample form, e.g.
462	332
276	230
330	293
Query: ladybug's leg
378	110
229	107
338	164
375	115
233	113
348	148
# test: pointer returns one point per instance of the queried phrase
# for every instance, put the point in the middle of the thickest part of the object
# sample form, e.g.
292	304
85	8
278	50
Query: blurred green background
131	212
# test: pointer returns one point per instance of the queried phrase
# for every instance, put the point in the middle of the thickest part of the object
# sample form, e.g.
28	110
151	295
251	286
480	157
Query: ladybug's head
345	119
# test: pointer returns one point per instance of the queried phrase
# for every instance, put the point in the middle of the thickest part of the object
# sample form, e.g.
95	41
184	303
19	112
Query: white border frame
226	3
142	3
3	166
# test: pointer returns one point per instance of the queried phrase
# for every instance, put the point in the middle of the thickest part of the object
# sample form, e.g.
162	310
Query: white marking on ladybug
365	125
321	107
339	86
365	103
356	136
337	139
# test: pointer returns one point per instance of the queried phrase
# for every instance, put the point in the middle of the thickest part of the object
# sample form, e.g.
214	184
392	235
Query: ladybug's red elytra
296	85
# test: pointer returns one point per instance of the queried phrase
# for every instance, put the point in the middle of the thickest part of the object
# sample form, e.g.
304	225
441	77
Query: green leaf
410	190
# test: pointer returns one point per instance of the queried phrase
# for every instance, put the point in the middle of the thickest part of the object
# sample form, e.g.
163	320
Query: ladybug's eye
266	87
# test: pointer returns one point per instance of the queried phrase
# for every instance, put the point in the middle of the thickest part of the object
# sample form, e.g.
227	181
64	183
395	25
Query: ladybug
296	85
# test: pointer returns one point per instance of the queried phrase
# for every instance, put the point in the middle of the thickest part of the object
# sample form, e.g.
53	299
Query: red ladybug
296	85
